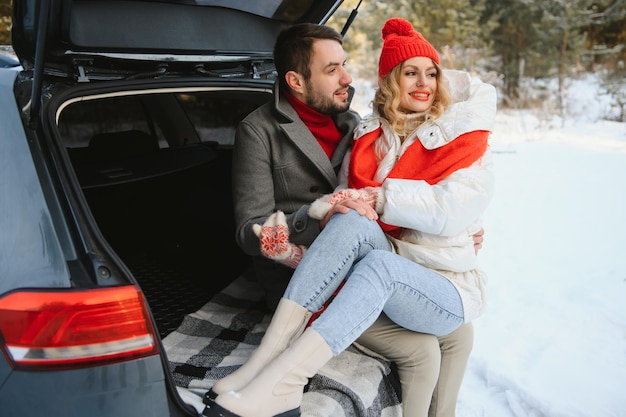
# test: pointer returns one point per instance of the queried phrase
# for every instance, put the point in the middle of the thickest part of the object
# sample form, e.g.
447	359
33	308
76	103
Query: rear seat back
121	145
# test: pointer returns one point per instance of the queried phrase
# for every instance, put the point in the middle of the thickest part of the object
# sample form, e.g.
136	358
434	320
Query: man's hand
274	241
479	237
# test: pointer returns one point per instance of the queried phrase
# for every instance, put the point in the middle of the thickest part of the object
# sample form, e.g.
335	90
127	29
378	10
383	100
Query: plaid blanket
215	340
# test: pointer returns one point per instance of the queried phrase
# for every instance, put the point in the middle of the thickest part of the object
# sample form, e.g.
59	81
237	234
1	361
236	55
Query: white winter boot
288	323
278	389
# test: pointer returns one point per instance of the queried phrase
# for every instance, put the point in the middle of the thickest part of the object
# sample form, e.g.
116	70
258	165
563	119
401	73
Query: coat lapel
296	131
302	138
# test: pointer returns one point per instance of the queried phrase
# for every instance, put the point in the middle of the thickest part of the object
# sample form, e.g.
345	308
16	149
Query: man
278	162
287	154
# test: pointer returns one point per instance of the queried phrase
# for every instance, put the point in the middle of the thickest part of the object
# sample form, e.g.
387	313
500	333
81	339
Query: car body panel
24	215
126	389
8	58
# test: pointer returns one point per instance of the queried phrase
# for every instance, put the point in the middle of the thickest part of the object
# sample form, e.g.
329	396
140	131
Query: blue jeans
355	249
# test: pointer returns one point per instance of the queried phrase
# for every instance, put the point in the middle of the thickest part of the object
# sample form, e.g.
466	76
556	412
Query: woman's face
418	84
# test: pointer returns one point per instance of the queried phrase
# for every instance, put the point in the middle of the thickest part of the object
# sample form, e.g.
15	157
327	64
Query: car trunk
175	233
154	169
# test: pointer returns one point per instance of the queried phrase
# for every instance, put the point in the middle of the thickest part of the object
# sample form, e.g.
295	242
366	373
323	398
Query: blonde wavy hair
387	102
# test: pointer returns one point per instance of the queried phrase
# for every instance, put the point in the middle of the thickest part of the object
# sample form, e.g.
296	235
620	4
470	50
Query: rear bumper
127	389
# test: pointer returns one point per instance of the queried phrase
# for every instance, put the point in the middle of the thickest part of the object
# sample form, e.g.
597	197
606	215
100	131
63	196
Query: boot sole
210	396
215	410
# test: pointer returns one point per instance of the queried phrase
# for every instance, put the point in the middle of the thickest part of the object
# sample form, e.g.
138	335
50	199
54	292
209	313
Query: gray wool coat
279	165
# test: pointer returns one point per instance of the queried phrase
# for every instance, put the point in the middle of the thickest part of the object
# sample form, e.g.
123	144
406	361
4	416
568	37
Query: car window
216	115
82	120
173	118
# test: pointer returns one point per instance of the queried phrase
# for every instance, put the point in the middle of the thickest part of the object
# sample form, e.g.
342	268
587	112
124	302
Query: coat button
299	225
314	189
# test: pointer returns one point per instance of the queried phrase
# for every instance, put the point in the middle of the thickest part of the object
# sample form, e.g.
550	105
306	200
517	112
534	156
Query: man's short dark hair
294	46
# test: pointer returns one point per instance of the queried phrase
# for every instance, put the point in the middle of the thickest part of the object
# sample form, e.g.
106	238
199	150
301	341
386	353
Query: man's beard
324	105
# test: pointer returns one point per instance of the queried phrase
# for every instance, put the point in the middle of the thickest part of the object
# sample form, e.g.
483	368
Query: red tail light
74	328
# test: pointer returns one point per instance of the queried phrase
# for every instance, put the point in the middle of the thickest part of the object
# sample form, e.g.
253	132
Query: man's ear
295	82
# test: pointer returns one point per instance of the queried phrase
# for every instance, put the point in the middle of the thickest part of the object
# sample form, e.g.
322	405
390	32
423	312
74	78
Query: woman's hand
363	200
478	237
360	206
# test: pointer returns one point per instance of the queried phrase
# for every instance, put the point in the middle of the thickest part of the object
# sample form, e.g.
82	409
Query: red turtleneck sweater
322	126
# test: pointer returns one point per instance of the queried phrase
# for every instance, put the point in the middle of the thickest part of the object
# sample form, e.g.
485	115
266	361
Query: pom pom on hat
401	42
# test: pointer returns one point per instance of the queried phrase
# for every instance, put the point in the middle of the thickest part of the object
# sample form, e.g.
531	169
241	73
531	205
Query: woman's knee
355	222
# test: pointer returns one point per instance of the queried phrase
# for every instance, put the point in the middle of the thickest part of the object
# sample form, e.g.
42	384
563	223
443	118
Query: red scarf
416	163
322	126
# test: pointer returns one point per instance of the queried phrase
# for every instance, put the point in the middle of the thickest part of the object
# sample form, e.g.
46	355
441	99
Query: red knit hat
401	42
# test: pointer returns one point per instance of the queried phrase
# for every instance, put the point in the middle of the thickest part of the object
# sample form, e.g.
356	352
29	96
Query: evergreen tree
5	22
606	30
515	38
562	40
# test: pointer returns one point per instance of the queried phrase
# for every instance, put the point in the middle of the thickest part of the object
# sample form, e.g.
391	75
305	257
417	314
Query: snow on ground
552	342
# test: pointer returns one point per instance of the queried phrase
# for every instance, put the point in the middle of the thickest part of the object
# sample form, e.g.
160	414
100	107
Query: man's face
327	89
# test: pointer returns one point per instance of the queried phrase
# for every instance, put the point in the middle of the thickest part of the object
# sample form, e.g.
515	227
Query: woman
420	166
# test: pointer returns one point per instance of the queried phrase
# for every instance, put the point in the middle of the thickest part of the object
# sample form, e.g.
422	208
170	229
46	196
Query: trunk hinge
255	70
258	70
82	75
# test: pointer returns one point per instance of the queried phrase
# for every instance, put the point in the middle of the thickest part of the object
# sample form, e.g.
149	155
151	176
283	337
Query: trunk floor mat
175	284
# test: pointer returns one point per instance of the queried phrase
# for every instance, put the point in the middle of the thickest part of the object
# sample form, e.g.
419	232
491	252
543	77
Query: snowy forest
532	50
